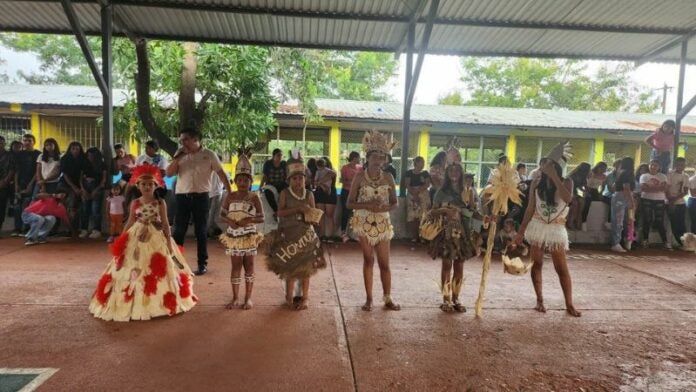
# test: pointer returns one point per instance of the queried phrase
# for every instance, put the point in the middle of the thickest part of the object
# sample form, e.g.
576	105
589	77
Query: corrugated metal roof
88	96
601	29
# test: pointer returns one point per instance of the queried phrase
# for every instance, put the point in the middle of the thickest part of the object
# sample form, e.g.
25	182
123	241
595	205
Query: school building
69	113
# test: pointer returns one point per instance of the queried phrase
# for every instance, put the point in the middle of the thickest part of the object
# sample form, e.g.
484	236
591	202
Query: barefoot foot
540	307
247	304
446	307
368	306
571	311
302	305
233	304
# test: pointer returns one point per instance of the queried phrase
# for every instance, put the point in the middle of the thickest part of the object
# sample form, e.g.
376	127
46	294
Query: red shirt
48	206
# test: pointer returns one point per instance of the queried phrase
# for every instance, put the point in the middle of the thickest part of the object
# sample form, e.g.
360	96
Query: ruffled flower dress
143	280
375	226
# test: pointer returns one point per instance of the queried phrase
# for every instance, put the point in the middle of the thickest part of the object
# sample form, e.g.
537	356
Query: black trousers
653	212
194	205
345	212
4	198
677	219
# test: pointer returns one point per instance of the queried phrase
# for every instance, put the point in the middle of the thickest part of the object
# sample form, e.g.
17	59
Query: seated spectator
653	186
152	157
92	187
6	175
42	214
595	186
48	168
579	176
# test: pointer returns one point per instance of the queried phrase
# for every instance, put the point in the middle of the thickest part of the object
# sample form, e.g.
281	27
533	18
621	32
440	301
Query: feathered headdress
375	141
561	153
244	164
452	150
146	172
296	164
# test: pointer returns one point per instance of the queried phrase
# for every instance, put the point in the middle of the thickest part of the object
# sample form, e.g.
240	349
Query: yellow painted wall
511	149
424	143
599	150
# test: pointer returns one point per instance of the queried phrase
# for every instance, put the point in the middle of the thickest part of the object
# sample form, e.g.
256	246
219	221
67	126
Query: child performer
544	225
372	196
115	204
296	252
454	244
148	276
242	210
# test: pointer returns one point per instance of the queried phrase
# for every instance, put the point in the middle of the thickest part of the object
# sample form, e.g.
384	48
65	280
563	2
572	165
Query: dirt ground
637	332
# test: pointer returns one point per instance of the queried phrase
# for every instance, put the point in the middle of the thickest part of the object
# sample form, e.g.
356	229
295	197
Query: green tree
451	98
547	84
228	91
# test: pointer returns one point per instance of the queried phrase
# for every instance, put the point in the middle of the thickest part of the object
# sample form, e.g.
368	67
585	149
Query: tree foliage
550	84
227	91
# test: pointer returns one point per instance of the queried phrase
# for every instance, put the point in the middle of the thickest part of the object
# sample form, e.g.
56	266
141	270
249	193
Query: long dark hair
579	174
642	167
72	144
98	162
439	158
448	183
546	189
55	154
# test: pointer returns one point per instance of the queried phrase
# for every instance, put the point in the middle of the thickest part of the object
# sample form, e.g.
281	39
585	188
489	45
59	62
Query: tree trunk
187	94
142	93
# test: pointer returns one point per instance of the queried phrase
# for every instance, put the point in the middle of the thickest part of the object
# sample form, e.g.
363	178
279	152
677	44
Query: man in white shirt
678	187
653	186
194	165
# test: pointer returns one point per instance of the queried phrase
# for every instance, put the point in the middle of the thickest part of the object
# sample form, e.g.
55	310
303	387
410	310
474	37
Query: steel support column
107	97
407	107
680	96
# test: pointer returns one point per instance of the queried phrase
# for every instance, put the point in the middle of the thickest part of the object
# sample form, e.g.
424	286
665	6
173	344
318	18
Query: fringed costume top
375	226
241	241
295	250
547	228
143	280
454	242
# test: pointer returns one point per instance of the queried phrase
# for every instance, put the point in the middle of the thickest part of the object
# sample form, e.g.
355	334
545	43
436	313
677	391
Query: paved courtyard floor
637	332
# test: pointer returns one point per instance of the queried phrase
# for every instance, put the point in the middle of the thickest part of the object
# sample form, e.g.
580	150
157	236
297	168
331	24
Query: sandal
446	307
459	308
390	304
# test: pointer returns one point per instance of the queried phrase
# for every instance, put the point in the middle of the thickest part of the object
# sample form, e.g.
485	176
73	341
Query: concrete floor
637	333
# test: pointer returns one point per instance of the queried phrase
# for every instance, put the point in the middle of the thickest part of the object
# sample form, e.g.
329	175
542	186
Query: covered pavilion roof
634	30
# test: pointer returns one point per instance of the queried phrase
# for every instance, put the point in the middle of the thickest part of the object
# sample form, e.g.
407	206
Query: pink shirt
663	141
348	173
116	204
48	206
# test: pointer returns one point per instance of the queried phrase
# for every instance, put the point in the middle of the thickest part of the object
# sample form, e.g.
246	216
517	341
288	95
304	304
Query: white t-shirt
158	160
49	169
677	182
653	180
216	186
692	183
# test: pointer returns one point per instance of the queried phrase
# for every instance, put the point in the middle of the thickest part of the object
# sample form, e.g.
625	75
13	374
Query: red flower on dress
158	265
101	293
150	284
170	302
118	249
184	285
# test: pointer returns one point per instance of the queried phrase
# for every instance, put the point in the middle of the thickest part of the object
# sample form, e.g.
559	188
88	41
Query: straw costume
453	240
242	241
144	279
547	229
375	226
295	250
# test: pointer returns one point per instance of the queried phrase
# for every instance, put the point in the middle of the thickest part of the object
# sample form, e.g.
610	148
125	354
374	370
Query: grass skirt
375	226
244	245
548	236
454	242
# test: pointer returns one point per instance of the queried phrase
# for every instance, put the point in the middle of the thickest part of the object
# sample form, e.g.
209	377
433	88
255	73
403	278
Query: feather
103	291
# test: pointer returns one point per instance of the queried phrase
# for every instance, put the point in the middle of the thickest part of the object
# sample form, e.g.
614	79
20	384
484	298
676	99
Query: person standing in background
348	173
24	180
215	197
194	165
662	144
6	176
677	189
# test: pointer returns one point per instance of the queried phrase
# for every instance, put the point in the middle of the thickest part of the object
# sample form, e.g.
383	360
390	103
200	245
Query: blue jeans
22	202
39	226
194	205
619	217
665	158
91	210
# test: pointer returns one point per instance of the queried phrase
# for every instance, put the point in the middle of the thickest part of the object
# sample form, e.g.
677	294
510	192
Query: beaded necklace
304	193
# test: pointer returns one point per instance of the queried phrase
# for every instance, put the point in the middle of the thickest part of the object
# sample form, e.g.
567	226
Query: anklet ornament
236	280
249	278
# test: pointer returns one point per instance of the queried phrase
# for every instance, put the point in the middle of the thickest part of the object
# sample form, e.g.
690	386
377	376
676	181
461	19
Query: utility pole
664	89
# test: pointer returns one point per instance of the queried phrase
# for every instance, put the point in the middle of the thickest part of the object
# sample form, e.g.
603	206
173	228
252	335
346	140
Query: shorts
321	197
